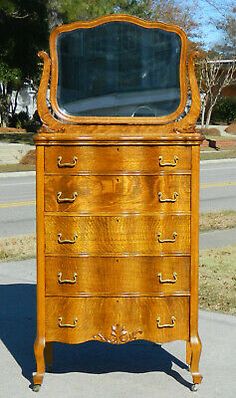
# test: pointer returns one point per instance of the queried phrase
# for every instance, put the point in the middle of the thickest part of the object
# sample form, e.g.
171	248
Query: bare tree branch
214	76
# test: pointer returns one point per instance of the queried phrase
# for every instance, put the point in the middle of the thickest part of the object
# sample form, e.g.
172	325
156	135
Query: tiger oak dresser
117	188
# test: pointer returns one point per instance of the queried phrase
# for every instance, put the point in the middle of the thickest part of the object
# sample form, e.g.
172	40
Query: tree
170	11
214	76
228	28
10	79
23	32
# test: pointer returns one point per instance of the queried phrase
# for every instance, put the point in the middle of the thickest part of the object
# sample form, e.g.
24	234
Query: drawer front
117	320
117	193
117	276
116	159
145	235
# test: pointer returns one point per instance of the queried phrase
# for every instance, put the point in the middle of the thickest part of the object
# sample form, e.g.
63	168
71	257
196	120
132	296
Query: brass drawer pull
72	164
175	195
166	325
168	163
167	280
67	325
66	240
167	240
71	281
66	200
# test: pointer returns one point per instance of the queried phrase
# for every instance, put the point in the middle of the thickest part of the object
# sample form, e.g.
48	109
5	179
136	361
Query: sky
207	11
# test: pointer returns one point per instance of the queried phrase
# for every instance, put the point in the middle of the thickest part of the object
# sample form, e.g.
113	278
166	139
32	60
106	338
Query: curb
17	174
217	161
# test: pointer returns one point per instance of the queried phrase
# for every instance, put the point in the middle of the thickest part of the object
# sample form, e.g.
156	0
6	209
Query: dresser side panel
40	243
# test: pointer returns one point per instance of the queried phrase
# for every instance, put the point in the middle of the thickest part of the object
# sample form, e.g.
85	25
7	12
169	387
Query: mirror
118	69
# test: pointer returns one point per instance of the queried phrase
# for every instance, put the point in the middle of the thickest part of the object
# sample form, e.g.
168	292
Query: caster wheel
36	387
194	387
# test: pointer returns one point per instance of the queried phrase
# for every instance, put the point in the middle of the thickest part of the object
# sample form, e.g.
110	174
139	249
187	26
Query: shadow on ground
17	331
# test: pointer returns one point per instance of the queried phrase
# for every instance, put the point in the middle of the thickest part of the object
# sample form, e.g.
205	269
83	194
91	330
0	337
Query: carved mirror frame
56	118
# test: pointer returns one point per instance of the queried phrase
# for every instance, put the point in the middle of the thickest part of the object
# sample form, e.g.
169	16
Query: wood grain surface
121	234
97	316
127	276
107	160
117	194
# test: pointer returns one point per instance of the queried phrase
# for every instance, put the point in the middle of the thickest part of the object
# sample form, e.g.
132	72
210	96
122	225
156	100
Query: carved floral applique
119	335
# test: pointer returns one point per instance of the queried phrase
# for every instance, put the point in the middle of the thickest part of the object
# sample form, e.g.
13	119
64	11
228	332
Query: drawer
117	276
116	159
145	235
117	193
117	320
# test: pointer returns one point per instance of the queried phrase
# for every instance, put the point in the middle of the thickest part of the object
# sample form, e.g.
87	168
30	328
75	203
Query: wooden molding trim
117	120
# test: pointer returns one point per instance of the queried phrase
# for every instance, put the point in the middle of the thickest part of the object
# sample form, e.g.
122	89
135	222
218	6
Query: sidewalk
217	239
137	370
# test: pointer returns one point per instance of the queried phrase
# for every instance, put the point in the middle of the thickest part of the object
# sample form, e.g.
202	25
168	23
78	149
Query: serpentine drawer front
123	276
74	160
109	235
117	189
73	320
114	194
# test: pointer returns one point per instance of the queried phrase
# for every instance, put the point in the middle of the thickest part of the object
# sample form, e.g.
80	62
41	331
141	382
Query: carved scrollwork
119	335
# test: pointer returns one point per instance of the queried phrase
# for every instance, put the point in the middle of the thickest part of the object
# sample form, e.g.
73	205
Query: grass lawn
17	248
5	168
217	269
217	220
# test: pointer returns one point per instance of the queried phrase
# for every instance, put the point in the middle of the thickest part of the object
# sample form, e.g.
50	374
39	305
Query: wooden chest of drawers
117	248
118	197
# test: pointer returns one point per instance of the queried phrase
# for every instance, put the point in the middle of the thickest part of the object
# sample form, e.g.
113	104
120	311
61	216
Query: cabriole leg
188	353
196	347
39	346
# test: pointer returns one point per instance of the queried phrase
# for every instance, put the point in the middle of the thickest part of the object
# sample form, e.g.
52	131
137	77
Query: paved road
137	370
17	205
17	195
218	185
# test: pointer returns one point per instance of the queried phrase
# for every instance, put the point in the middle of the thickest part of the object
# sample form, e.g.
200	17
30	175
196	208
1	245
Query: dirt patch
29	158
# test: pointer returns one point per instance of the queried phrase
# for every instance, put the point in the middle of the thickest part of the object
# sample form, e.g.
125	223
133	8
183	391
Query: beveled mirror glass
118	69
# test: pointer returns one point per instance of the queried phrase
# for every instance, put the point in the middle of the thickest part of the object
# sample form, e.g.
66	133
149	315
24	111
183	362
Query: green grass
217	269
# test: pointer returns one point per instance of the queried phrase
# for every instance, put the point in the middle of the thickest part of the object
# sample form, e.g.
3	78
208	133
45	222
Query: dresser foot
39	346
36	387
196	348
48	355
194	387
